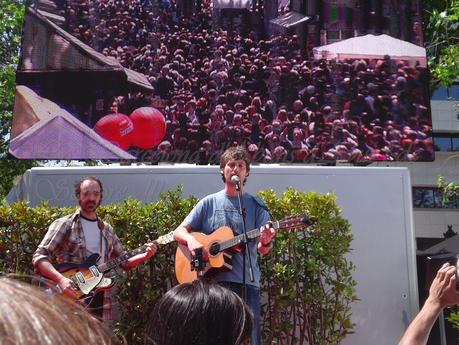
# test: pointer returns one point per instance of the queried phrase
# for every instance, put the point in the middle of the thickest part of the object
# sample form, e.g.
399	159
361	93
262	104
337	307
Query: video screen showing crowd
198	77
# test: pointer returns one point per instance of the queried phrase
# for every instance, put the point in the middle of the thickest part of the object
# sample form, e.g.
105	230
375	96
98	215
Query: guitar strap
262	205
102	241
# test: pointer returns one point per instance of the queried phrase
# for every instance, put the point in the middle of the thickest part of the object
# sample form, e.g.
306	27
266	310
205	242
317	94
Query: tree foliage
307	278
442	37
11	23
449	190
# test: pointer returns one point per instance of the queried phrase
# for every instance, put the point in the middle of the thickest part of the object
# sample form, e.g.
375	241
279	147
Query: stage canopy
289	20
242	4
372	47
43	130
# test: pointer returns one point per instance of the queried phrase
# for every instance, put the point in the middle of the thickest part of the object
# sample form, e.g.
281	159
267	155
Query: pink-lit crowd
222	88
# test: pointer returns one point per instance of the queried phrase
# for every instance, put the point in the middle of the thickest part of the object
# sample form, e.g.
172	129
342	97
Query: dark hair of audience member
199	313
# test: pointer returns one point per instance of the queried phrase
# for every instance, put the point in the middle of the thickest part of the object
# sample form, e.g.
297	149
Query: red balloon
116	128
149	127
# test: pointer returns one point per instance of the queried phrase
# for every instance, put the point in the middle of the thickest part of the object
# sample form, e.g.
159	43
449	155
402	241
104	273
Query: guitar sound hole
214	249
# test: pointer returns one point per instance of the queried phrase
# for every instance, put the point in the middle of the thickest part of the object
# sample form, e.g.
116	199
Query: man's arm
50	244
117	249
442	293
182	235
151	248
45	268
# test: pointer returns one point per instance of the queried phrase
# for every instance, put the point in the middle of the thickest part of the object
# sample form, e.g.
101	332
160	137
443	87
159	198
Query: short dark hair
235	153
199	313
78	183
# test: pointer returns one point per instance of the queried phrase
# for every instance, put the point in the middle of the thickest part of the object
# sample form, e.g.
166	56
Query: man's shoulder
210	201
104	225
67	219
213	196
258	202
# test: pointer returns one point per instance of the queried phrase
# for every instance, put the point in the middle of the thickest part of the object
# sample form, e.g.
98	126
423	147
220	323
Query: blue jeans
254	303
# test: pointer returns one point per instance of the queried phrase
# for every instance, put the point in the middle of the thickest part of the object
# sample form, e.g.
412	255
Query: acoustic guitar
215	253
89	276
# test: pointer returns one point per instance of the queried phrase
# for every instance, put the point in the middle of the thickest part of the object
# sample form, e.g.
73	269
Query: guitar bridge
197	262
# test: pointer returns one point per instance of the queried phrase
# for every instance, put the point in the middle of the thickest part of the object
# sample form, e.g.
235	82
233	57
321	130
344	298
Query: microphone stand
245	241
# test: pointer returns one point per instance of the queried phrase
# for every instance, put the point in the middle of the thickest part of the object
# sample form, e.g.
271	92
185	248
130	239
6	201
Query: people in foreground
31	316
442	293
201	313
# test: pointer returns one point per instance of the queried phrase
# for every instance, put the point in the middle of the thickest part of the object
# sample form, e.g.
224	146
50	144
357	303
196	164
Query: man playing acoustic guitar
222	210
74	238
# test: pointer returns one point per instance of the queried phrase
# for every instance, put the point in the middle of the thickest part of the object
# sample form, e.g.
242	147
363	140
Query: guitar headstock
165	239
298	221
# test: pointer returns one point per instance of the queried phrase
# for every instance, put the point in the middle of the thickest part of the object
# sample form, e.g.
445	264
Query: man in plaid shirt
73	238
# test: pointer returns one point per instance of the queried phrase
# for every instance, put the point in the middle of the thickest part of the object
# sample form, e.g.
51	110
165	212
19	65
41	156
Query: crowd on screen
227	87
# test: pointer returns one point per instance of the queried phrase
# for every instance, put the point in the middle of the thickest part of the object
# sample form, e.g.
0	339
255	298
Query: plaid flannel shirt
65	242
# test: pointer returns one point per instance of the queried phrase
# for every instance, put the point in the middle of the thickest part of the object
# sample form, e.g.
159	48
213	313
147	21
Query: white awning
232	4
372	47
290	19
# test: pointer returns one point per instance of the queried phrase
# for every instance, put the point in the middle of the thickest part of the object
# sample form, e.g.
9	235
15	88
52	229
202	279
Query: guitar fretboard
120	259
239	238
107	266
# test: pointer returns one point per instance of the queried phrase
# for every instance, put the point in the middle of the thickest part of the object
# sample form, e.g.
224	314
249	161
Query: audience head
29	315
199	313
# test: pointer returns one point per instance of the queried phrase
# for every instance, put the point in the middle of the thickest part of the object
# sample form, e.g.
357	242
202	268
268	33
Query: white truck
376	201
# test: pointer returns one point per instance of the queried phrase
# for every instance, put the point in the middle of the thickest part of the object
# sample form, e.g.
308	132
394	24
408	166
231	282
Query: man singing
222	209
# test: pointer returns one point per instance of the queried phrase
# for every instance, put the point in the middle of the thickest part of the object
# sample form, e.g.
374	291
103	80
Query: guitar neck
240	238
107	266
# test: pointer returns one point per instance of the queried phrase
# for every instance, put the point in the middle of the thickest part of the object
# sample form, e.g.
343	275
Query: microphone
235	179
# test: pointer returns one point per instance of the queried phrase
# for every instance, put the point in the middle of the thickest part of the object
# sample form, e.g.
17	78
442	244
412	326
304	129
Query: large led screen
180	81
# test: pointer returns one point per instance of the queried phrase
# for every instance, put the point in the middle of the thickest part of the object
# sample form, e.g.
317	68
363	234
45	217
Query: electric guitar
216	245
89	276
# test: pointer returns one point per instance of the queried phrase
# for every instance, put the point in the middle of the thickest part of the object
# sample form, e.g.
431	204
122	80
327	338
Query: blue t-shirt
219	209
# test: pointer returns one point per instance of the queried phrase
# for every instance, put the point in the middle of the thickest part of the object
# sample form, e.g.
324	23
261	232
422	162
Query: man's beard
89	206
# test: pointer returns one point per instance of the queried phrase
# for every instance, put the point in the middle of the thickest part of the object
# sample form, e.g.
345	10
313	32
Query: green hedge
306	280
